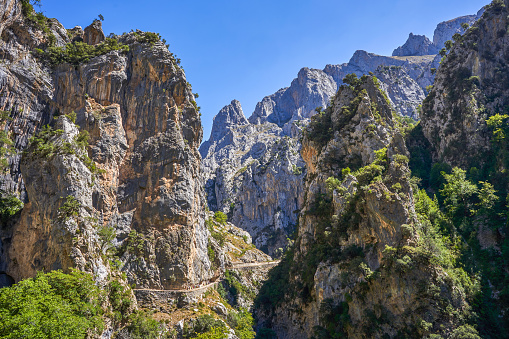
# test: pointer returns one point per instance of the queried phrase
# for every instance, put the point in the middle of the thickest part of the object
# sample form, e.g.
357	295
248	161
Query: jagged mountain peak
230	115
416	45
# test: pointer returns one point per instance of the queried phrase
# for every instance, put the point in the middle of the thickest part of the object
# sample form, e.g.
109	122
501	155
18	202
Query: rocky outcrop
469	88
421	45
405	95
93	34
253	173
357	233
416	45
138	175
312	88
445	30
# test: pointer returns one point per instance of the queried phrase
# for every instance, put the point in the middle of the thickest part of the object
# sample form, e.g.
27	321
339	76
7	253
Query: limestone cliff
264	201
361	266
136	174
416	45
469	88
421	45
254	173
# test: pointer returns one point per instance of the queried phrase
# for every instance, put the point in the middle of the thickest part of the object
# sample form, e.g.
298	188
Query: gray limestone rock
312	88
421	45
445	30
416	45
404	94
254	174
144	133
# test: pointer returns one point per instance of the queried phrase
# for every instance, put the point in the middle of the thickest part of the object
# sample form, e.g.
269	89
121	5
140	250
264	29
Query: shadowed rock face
471	86
144	137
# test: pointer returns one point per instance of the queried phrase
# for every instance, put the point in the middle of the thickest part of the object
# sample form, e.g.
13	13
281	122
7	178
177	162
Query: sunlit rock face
143	169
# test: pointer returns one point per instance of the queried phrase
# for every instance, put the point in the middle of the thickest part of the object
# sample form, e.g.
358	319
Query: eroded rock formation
142	174
357	233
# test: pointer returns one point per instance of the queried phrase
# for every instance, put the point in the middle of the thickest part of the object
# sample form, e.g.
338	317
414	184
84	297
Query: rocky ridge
358	231
421	45
236	157
137	174
472	80
253	174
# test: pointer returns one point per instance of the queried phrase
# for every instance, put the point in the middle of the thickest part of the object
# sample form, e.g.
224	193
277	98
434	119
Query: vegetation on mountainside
471	205
52	305
37	19
220	217
9	203
207	326
78	52
6	144
47	144
9	206
59	305
444	226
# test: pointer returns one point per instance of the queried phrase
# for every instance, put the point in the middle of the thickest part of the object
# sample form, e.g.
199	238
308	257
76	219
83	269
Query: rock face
421	45
405	95
253	173
312	88
357	231
93	34
416	45
234	156
138	175
445	30
469	88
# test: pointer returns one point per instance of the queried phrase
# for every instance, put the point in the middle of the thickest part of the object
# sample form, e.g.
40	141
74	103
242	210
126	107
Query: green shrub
220	217
135	242
5	142
205	326
332	183
352	80
214	333
120	298
51	305
9	206
211	253
148	37
242	323
42	143
106	236
143	326
319	129
70	208
465	332
78	52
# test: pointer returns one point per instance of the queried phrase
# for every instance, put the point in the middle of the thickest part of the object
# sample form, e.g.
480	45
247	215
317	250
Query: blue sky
246	50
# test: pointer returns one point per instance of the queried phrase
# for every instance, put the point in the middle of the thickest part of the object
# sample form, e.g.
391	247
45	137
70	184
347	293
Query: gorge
366	200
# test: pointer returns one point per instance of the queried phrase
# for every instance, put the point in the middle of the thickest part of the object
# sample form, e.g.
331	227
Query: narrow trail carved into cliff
256	264
205	287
